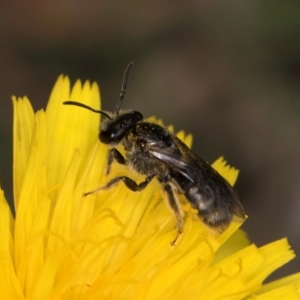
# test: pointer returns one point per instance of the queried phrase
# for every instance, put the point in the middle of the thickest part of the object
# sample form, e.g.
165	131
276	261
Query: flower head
115	245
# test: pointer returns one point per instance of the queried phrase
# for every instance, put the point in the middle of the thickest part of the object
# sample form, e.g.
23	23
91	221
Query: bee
155	152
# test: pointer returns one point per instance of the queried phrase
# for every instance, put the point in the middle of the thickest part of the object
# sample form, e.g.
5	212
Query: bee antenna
124	85
86	107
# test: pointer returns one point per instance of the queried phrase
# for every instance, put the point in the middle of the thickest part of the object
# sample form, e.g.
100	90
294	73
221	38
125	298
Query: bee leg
131	184
175	206
114	155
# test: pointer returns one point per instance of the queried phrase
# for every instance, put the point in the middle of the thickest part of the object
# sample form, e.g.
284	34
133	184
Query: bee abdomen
211	210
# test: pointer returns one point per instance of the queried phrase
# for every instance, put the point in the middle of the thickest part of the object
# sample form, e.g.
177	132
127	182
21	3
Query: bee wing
180	158
174	159
184	161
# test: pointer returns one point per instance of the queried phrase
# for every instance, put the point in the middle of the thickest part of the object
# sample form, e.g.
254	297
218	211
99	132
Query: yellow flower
115	245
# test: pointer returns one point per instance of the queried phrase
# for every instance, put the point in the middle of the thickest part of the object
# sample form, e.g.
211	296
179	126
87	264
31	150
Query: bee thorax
143	164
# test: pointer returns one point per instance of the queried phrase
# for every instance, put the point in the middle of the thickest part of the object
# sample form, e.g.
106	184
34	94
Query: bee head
114	125
114	129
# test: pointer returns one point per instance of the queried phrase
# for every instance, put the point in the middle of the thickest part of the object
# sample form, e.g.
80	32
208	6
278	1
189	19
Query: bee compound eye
106	137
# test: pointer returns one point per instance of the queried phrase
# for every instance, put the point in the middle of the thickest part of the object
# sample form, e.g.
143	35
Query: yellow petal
70	128
228	172
285	288
23	127
33	188
9	284
44	283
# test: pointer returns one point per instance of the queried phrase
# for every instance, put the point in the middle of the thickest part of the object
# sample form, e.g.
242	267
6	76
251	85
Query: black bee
155	152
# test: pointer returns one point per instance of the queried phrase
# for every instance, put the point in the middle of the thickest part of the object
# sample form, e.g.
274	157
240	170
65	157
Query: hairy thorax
144	164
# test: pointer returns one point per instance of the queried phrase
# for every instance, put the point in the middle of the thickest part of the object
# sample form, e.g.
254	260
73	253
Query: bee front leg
131	184
114	155
175	206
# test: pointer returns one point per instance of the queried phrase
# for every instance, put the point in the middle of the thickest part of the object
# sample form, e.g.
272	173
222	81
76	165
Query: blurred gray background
227	71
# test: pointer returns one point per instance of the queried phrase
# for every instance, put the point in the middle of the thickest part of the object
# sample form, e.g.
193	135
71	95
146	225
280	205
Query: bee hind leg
175	206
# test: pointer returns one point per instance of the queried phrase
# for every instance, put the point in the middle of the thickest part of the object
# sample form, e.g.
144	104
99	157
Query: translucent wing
211	185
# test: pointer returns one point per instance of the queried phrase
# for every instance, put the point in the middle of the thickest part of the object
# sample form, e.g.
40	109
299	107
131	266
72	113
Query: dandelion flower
115	245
